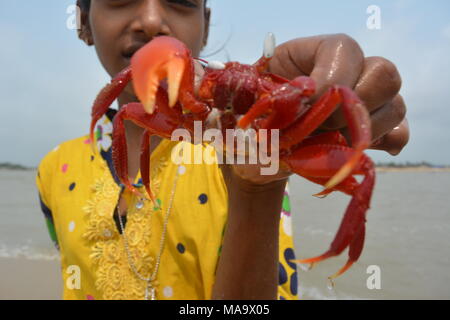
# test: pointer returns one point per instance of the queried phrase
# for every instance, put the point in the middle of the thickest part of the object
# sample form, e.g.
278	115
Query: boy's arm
248	265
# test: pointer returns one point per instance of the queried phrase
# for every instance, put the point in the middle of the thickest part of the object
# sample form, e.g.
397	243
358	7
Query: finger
394	141
385	119
379	83
328	59
338	60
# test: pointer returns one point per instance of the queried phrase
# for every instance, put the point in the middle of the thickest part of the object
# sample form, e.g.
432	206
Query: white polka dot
71	226
168	292
181	170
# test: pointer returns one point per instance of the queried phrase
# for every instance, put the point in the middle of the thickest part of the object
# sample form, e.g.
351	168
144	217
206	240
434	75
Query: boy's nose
150	19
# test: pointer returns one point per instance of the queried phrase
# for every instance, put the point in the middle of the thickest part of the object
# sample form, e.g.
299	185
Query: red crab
245	96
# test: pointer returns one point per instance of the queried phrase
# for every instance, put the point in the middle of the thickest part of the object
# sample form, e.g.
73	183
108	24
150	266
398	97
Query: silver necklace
150	290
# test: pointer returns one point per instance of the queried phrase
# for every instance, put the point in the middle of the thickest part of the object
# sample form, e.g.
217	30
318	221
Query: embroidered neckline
114	278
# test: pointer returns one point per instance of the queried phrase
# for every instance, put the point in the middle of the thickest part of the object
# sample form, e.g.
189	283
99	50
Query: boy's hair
84	4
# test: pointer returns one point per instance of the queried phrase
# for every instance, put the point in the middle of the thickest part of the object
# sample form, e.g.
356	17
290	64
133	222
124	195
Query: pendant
150	291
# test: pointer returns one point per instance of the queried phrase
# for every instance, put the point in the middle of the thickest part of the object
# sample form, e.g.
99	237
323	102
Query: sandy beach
30	279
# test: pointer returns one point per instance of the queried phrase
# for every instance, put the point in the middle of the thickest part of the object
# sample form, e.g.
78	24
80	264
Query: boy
217	233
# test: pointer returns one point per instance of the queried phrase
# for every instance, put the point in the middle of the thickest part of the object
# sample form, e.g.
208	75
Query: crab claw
162	58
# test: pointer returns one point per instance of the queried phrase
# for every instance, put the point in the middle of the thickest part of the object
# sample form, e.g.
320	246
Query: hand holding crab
248	96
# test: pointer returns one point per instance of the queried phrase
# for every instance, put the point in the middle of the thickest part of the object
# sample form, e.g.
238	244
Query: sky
49	78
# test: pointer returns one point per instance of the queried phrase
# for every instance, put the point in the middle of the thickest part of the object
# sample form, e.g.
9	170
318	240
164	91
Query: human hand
338	59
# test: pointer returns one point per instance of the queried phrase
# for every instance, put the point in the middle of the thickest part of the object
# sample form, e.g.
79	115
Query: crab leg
330	137
358	122
158	123
355	250
322	161
145	163
106	97
283	104
347	186
354	111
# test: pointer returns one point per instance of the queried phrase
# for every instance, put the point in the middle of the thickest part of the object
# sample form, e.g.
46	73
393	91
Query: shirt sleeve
43	182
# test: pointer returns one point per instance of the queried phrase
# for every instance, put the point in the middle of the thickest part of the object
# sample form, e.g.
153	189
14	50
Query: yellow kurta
79	193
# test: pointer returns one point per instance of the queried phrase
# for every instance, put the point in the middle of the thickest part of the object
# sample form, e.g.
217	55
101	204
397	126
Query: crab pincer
165	59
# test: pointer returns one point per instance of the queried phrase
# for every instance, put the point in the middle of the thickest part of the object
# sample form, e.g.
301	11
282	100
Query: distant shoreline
412	169
378	168
15	168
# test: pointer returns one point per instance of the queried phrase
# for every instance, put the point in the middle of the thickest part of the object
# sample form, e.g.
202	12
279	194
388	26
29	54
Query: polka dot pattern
181	170
289	255
294	284
286	205
71	226
158	205
99	133
203	198
168	292
74	181
282	274
181	248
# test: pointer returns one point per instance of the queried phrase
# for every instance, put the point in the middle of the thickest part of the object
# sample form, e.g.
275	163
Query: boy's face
118	28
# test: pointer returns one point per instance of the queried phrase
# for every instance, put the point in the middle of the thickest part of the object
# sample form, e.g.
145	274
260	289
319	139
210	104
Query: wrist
248	187
238	185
